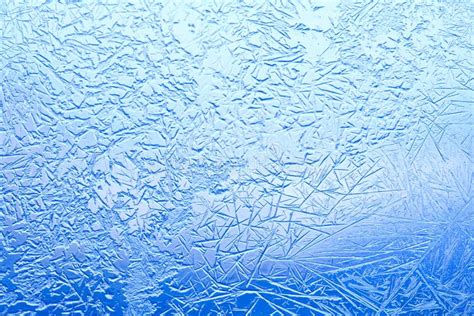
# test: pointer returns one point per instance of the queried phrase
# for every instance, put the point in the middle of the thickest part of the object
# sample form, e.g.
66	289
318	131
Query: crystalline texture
236	158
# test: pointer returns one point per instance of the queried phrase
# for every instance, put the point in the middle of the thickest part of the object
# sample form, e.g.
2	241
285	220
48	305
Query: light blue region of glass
236	158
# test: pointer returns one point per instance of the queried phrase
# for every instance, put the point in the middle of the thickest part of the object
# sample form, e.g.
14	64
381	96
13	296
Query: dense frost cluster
232	157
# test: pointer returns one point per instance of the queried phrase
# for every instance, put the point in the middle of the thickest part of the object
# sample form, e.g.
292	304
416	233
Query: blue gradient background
236	158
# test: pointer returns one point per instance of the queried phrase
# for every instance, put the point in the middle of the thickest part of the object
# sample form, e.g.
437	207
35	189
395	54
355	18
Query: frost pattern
285	158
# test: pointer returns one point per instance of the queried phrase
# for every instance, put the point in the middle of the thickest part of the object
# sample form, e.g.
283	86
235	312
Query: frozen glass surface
236	157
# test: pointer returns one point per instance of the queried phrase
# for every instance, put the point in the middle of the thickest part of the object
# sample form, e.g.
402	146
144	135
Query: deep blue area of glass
236	157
